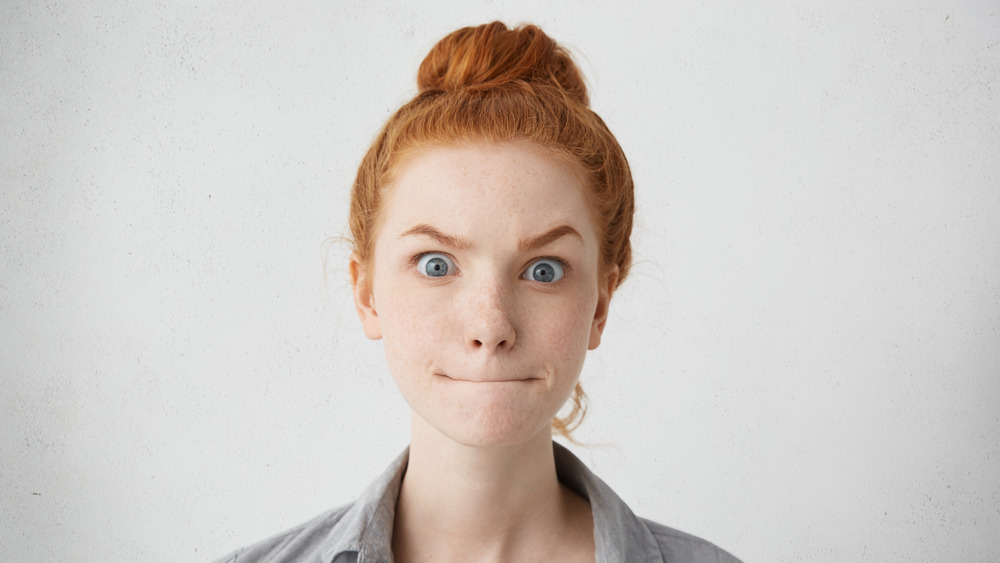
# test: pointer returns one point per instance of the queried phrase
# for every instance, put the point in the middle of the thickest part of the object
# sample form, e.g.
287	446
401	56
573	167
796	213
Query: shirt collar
366	527
619	535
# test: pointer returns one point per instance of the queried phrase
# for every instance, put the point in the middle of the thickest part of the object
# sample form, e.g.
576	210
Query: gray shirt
361	532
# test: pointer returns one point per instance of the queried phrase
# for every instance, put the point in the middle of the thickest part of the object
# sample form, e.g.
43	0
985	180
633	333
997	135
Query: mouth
488	379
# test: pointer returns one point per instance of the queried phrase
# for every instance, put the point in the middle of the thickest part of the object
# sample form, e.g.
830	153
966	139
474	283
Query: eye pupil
543	272
436	267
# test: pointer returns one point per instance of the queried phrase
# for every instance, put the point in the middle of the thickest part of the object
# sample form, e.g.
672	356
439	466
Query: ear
364	298
605	289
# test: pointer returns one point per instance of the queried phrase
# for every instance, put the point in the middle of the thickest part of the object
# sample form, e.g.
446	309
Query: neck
482	503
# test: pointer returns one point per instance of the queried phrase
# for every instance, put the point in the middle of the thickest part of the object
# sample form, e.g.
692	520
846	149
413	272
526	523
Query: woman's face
485	289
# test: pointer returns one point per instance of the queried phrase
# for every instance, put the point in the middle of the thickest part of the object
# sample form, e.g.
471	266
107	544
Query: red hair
492	84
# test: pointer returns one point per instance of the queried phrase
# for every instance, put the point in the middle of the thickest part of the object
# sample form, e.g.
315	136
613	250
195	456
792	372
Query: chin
487	415
492	429
494	439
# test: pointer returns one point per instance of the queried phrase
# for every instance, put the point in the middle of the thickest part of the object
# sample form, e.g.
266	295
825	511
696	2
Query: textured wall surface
804	365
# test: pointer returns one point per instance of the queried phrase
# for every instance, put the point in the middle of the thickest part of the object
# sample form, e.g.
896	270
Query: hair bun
491	55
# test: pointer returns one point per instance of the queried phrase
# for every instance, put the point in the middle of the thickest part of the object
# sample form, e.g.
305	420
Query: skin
487	354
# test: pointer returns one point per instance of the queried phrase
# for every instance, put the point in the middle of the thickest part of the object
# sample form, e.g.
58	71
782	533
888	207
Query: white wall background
804	365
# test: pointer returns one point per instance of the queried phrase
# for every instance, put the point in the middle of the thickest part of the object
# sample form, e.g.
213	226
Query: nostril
479	343
490	330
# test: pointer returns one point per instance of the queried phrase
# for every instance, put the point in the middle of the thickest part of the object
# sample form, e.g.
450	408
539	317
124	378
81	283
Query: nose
489	327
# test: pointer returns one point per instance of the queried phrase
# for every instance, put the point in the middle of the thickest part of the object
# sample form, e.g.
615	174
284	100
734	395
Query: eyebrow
446	240
523	245
548	237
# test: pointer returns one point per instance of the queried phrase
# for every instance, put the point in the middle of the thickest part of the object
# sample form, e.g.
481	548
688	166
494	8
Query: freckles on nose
489	325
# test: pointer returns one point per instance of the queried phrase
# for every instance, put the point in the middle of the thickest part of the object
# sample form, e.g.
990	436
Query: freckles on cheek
412	331
567	329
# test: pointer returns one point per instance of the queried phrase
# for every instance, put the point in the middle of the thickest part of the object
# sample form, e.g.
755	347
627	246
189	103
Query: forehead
465	186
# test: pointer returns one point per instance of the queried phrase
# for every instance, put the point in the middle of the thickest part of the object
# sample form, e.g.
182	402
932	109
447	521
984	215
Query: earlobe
605	290
364	298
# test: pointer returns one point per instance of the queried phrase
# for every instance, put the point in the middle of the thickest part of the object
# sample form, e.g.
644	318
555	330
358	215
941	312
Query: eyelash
416	258
567	269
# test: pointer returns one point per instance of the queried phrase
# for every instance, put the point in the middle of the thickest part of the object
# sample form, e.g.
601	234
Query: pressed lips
489	379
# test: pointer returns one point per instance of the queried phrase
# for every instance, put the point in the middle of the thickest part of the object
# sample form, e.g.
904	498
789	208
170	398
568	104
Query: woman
491	222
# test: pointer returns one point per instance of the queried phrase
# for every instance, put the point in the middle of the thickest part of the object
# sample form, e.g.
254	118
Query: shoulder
361	529
301	543
679	546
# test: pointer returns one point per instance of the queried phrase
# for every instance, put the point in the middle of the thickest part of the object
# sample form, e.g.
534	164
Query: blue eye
434	265
546	270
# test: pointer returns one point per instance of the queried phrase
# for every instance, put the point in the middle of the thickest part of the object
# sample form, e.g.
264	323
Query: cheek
412	327
563	327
